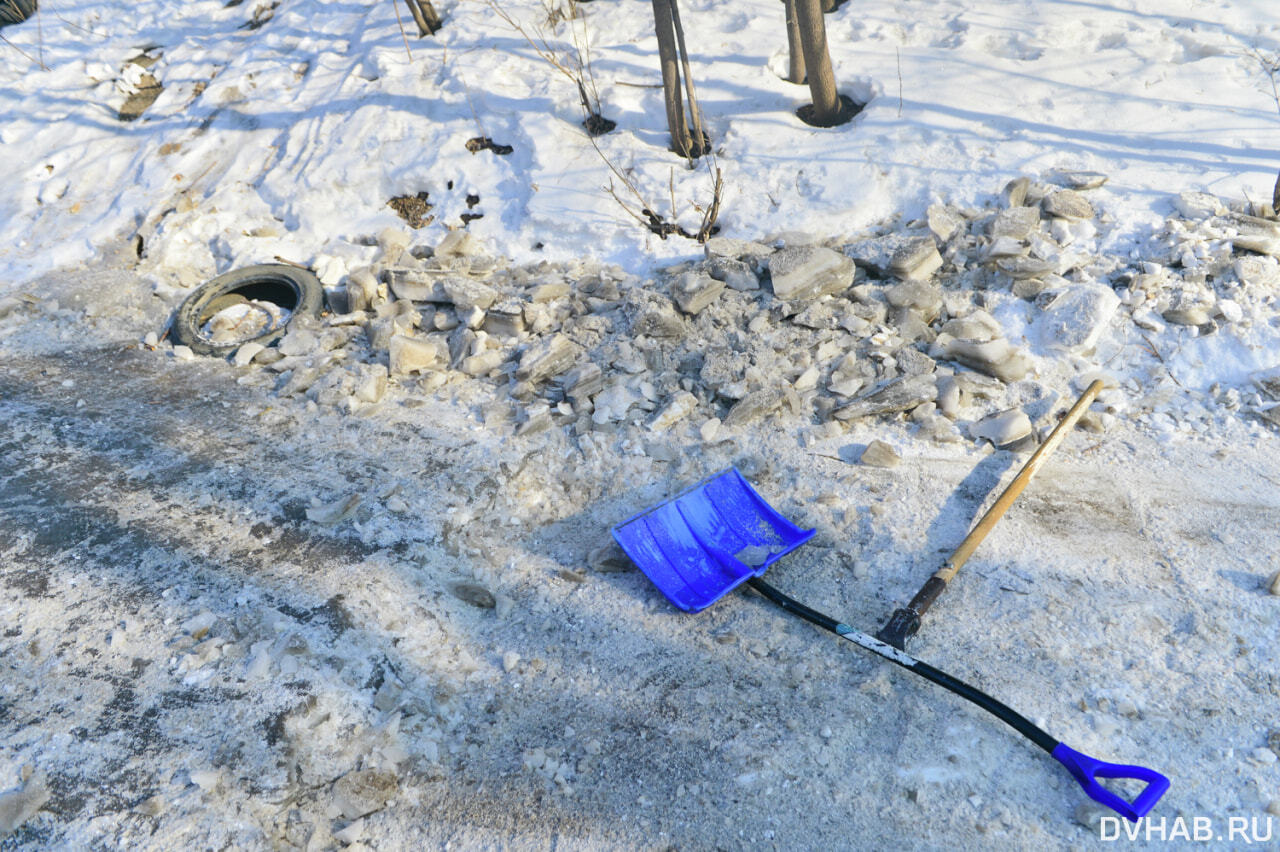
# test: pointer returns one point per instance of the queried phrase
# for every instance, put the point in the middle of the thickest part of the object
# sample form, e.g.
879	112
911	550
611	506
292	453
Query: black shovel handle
1086	770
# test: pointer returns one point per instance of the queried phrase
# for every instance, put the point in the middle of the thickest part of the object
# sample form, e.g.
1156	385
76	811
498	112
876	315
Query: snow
1131	584
290	138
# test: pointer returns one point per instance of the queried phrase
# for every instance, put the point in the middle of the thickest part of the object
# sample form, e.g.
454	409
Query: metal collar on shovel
700	545
905	621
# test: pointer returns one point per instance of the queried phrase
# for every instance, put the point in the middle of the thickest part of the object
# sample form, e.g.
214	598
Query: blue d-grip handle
1087	769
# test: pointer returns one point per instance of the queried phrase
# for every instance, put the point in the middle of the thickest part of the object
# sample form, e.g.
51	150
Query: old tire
297	290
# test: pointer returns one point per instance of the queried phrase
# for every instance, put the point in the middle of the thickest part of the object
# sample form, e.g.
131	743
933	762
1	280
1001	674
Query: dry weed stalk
644	213
577	67
17	11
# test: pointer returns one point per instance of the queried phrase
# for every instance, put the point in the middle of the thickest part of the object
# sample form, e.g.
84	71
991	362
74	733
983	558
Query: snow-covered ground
336	599
289	138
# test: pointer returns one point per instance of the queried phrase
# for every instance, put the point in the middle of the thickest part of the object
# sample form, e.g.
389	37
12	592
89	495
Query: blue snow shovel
701	544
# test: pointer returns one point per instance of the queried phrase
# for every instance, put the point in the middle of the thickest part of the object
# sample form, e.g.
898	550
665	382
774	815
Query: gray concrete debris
1003	428
820	315
505	319
18	806
1021	268
809	272
245	353
335	512
1017	223
932	426
414	285
925	298
1068	204
363	290
727	247
754	406
948	399
899	394
462	342
549	291
299	341
1076	318
876	254
1254	234
380	331
850	375
1002	247
1267	381
535	418
482	363
677	407
654	316
1030	288
1257	272
979	385
546	358
1078	180
912	327
454	244
474	594
416	354
913	362
472	317
268	356
1198	205
880	454
736	274
613	403
582	382
694	290
466	293
916	259
1015	191
977	325
945	222
370	383
996	358
722	369
1185	308
540	318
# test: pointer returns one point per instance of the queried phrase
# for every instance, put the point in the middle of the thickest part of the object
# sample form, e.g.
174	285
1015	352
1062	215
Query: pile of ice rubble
973	322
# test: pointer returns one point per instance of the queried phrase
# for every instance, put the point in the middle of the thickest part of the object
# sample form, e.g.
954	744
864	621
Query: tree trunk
795	68
817	61
16	11
425	16
695	114
668	57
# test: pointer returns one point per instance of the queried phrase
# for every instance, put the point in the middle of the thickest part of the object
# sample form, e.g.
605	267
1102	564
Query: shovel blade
703	543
